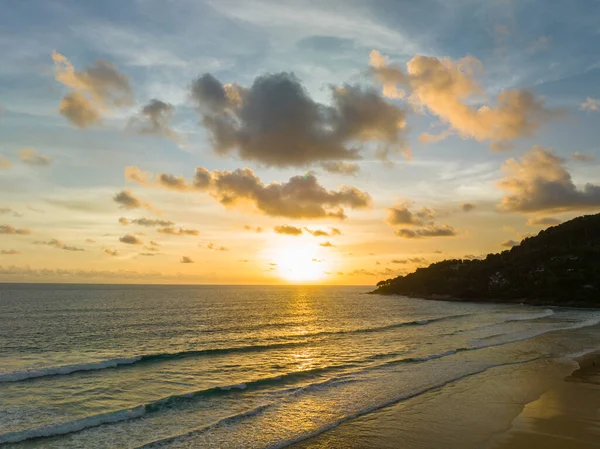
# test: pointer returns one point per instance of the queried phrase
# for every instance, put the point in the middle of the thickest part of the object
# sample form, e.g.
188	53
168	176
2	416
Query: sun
299	263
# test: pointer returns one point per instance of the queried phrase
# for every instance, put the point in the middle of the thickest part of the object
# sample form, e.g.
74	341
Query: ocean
113	366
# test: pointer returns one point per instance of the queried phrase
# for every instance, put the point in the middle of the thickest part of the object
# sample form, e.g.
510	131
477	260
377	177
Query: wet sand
566	416
546	404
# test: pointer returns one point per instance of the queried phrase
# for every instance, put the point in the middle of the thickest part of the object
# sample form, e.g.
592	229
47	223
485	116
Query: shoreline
521	301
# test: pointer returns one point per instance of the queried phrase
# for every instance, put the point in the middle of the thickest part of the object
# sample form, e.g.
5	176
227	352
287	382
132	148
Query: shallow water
230	367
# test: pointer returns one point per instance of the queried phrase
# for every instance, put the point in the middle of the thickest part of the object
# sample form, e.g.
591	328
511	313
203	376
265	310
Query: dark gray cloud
275	122
288	230
130	240
128	200
31	157
300	197
422	223
543	221
467	207
178	231
60	245
539	181
9	229
154	118
402	215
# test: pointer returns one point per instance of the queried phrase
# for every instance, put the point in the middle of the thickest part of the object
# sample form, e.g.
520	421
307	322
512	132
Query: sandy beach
547	404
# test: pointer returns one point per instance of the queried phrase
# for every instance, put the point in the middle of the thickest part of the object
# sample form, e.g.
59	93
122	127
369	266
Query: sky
266	142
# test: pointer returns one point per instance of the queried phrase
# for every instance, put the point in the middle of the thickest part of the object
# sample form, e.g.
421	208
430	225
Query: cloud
124	221
418	260
153	243
186	259
30	156
149	254
448	89
427	231
214	247
130	240
8	210
148	222
128	200
590	104
342	168
95	90
256	229
4	163
543	221
8	229
60	245
276	123
582	157
361	272
402	215
321	233
539	182
178	231
154	118
9	252
509	243
300	197
467	207
327	244
111	252
287	230
88	240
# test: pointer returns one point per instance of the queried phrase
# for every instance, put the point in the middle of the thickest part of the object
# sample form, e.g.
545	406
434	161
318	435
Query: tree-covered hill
560	266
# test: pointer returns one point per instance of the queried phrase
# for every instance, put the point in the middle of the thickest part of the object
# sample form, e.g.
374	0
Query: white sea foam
66	369
72	426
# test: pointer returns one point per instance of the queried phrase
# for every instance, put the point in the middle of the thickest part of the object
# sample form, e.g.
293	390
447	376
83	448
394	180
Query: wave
253	412
72	426
67	369
124	361
172	401
529	316
145	358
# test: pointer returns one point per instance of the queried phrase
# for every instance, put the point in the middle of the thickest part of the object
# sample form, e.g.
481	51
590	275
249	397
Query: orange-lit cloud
341	167
130	240
287	230
94	90
422	223
543	221
300	197
186	259
178	231
8	229
4	163
590	104
448	88
128	200
30	156
539	181
60	245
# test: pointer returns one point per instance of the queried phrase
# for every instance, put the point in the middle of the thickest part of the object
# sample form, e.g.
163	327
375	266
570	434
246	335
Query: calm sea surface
246	367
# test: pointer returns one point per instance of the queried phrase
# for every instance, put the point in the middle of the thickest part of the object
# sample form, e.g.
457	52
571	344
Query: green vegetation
560	266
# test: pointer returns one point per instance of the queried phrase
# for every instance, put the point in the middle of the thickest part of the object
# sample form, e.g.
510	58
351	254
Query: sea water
112	366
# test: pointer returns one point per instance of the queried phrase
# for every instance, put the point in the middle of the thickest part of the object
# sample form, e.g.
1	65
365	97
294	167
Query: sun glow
299	263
